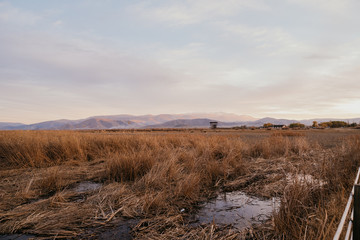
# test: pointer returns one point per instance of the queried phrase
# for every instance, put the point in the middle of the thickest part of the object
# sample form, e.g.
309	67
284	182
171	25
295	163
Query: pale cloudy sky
280	58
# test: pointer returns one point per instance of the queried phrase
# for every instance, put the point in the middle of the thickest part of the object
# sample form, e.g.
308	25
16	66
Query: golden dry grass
150	176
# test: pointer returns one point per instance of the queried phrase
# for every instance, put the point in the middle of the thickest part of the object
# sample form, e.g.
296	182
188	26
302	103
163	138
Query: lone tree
315	124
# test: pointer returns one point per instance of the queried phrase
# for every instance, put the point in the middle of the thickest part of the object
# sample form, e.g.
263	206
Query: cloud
333	7
273	40
12	15
54	59
317	56
58	23
55	75
191	12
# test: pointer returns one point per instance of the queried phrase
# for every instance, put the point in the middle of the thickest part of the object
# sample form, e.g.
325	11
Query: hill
191	120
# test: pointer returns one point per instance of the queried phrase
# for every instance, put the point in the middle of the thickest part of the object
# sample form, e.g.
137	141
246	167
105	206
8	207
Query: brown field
153	181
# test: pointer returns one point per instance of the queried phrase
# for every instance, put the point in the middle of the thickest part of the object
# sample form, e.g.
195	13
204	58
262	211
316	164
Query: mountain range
191	120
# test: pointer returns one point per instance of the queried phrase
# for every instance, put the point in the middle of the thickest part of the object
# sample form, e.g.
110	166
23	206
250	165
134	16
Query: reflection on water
86	187
17	237
238	209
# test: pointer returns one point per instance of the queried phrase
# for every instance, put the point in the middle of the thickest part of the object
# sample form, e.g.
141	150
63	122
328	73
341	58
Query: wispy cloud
12	15
333	7
53	72
190	12
58	23
274	40
321	56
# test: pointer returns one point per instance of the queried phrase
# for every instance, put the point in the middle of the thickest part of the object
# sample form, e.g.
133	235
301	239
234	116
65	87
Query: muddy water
238	209
119	229
17	237
86	187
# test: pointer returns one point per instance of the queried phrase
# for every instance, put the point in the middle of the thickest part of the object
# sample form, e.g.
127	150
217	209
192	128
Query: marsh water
86	187
236	208
17	237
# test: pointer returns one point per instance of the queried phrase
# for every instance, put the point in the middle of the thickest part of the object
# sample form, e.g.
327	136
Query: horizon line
149	114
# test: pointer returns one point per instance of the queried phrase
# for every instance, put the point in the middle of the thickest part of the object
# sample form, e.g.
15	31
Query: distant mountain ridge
191	120
184	123
161	118
10	124
96	123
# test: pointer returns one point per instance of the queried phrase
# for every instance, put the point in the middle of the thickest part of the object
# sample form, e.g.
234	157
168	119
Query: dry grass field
91	184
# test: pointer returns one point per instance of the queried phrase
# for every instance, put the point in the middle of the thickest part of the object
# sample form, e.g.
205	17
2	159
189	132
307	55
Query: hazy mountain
5	125
162	118
95	123
57	124
125	121
142	119
275	121
223	117
188	123
184	123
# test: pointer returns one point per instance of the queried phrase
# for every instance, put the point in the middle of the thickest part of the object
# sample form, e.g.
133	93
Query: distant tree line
296	125
292	125
330	124
337	124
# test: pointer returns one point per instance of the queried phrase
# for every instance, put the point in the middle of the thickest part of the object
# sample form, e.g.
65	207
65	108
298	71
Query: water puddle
83	187
17	237
119	229
238	209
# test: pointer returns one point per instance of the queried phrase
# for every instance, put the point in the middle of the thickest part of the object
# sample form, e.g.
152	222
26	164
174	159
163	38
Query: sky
66	59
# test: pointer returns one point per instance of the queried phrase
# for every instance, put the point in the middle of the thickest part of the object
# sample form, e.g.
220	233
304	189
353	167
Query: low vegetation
156	181
337	124
330	124
296	125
